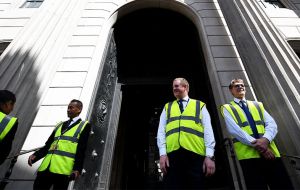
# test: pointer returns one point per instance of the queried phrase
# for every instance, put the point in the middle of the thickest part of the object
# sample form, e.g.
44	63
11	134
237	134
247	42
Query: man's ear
2	106
79	111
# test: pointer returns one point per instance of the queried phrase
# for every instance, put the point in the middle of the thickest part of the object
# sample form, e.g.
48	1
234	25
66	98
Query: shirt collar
236	100
185	99
75	119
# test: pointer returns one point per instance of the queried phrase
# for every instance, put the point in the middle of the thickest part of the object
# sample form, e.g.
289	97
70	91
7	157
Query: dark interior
154	46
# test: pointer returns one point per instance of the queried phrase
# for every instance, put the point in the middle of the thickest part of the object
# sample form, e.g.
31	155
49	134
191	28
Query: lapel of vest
174	105
71	126
74	124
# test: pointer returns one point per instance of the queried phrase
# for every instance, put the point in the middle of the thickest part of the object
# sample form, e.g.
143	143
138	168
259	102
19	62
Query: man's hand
268	155
74	175
261	144
209	167
164	163
31	159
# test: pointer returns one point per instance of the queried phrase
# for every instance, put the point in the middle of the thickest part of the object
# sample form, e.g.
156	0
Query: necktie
66	126
250	119
69	122
180	105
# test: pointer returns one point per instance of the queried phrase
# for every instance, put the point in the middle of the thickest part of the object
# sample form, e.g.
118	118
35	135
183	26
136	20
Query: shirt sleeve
161	134
235	130
209	139
82	143
270	127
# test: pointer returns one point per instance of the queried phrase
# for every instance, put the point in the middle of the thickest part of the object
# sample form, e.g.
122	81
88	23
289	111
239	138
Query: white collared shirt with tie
242	136
209	139
74	120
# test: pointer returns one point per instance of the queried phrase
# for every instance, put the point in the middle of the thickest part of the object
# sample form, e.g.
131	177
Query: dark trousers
185	171
44	180
260	173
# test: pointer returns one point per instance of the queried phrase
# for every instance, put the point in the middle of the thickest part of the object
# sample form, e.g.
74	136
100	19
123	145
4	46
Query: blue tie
250	119
180	105
69	122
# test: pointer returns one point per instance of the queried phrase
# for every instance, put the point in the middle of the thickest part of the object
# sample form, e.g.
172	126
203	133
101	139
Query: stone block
74	64
224	51
217	30
91	21
228	64
68	79
220	40
61	96
214	21
87	30
84	40
211	13
50	115
79	51
204	6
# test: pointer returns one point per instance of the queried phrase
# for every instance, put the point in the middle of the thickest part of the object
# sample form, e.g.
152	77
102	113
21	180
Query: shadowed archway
154	46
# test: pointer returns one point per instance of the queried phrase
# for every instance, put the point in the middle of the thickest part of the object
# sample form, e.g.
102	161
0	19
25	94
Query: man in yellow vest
63	151
8	125
253	131
185	140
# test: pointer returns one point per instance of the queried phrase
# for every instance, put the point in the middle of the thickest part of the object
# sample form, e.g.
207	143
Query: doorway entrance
154	46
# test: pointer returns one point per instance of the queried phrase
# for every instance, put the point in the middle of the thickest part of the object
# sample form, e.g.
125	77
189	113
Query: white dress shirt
209	139
74	120
242	136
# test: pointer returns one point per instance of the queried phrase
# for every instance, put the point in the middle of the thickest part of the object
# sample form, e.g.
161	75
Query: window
3	46
271	3
295	44
32	4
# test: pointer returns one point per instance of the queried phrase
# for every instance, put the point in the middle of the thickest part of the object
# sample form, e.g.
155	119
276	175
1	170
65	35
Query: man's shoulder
254	101
83	120
228	105
8	116
231	102
87	123
170	102
196	100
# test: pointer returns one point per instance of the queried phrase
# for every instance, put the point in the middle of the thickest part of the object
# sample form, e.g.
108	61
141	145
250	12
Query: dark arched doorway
154	46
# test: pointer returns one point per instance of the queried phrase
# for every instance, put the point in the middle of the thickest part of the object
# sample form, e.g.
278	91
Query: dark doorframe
153	47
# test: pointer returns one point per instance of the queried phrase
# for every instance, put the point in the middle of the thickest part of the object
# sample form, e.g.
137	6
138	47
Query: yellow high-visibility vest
6	124
61	154
256	109
185	129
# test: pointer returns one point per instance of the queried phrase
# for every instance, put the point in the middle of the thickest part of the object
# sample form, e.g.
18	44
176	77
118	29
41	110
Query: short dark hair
79	103
6	96
234	81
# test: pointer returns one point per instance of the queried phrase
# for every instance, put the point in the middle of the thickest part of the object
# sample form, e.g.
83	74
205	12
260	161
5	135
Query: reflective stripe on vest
6	124
256	109
185	129
61	154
